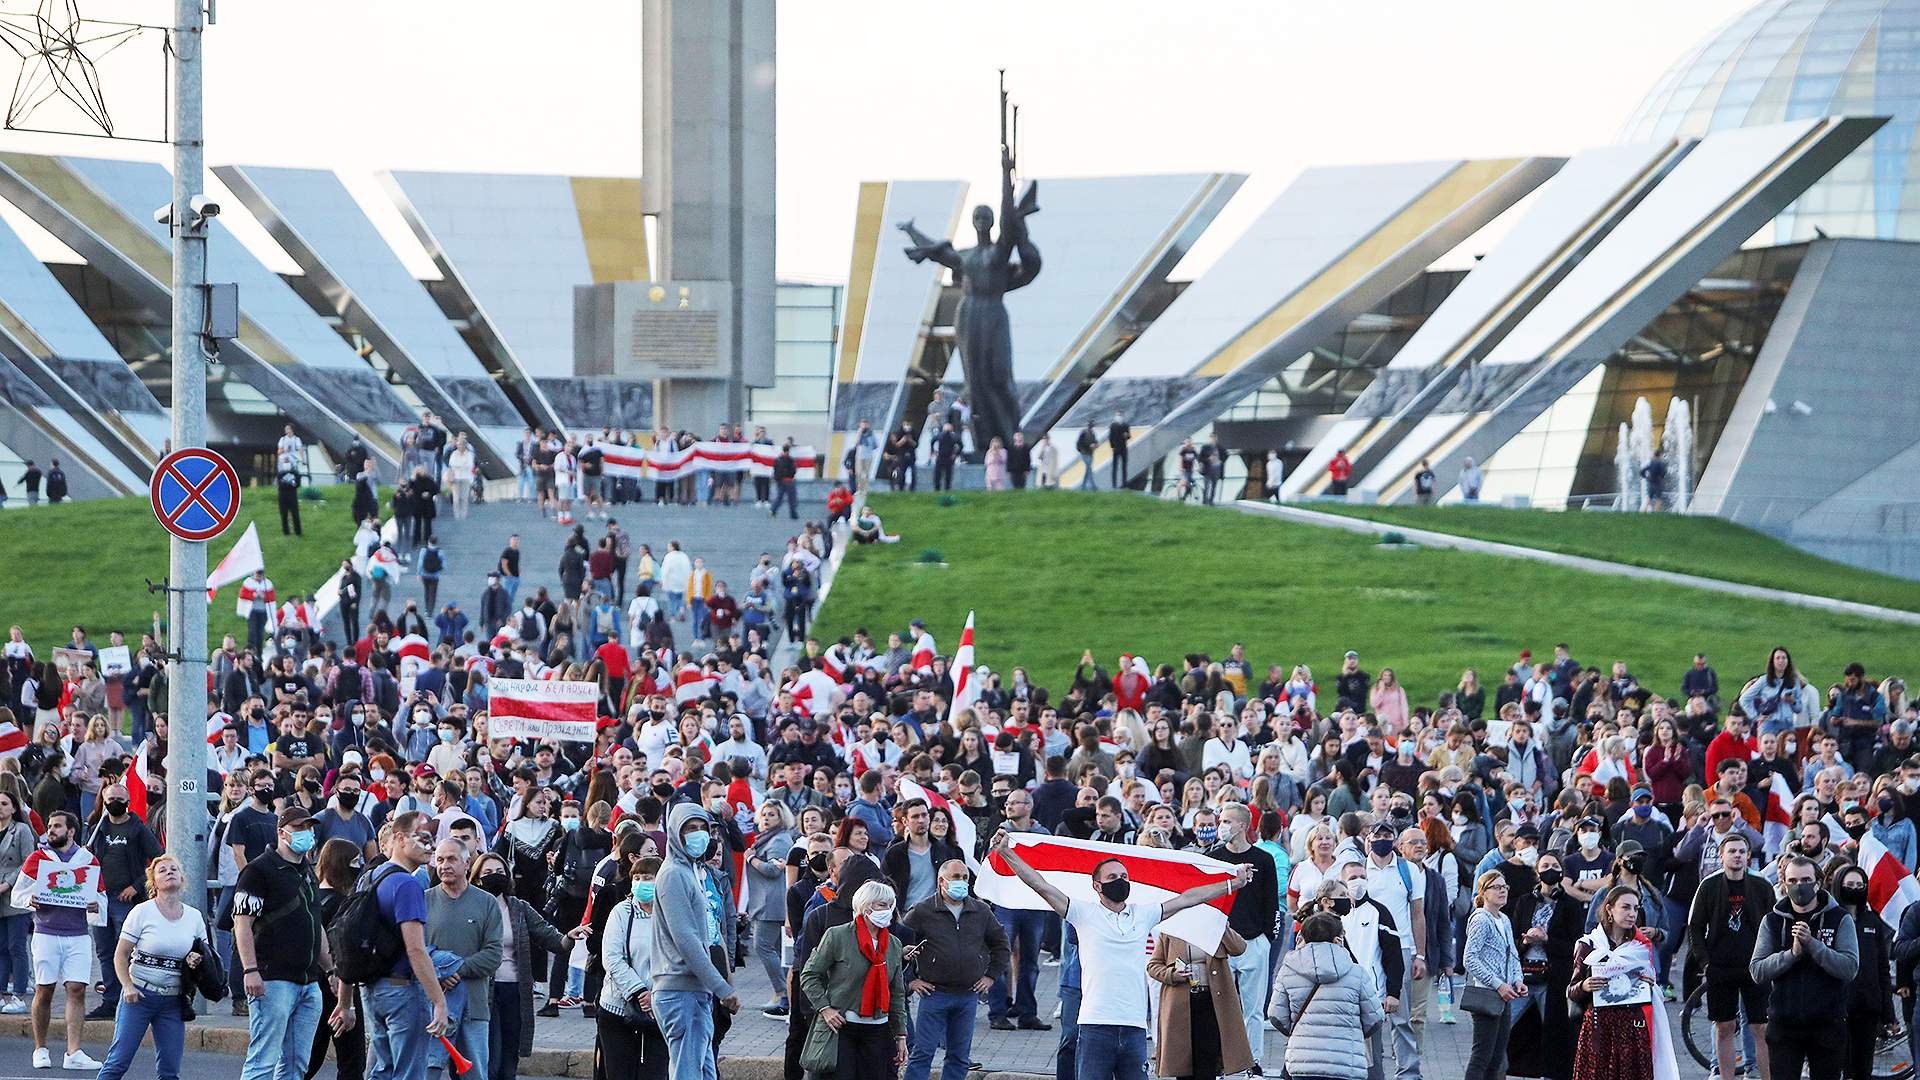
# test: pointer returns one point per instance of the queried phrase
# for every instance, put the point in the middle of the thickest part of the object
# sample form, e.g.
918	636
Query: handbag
1482	1001
821	1052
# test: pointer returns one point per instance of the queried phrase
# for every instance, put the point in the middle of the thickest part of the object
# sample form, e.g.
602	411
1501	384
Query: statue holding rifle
985	273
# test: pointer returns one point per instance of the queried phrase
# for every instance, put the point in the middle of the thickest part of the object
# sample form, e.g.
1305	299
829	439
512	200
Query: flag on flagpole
542	709
1890	886
1777	819
1158	876
965	690
242	560
138	781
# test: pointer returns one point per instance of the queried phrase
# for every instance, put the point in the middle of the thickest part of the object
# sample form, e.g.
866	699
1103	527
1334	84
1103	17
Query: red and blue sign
196	493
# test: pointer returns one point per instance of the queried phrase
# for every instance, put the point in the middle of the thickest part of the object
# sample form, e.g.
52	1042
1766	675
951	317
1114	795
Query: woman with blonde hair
98	747
1494	979
1470	697
1316	867
153	958
855	980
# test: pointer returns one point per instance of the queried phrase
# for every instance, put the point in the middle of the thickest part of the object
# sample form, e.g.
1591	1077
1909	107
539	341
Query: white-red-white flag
693	683
965	690
13	739
216	724
542	709
139	782
242	560
1777	819
1890	886
923	651
1158	875
814	692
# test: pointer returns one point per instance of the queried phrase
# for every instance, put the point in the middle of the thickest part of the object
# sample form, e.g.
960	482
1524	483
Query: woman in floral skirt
1616	1036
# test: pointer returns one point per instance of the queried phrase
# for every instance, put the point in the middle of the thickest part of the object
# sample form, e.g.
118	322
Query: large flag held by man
1158	875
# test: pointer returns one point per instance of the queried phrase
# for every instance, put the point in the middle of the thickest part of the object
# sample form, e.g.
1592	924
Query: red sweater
1724	746
1667	773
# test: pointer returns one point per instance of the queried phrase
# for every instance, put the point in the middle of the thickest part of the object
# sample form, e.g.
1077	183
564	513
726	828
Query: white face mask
1589	841
1527	856
880	918
1460	821
1358	889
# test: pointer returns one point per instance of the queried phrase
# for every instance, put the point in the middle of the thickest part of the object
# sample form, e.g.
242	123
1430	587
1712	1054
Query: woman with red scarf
854	978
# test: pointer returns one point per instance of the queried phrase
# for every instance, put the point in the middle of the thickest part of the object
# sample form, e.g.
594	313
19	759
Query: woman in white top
1303	882
459	475
1314	813
564	465
153	960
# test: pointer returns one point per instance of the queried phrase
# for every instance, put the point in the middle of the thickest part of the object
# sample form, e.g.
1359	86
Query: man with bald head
465	922
962	950
1013	1002
1255	914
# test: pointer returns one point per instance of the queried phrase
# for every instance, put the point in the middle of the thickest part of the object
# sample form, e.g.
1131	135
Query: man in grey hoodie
689	947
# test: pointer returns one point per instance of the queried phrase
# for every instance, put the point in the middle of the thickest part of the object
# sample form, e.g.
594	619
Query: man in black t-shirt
510	570
124	845
276	899
295	748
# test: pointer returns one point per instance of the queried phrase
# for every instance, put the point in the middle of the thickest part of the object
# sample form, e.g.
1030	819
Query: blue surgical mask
1643	812
643	892
301	842
1205	834
569	823
448	735
697	844
956	890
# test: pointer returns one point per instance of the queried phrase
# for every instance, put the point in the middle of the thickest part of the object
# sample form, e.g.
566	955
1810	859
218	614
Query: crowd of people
1532	853
556	470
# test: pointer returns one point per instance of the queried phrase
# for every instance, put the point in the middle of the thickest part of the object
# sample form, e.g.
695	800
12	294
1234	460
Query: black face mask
1551	877
117	807
263	795
495	883
1116	890
1633	864
1853	895
1343	906
819	862
348	800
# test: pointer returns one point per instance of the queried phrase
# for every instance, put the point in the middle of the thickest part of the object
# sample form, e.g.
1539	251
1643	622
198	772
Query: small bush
949	500
931	555
1393	538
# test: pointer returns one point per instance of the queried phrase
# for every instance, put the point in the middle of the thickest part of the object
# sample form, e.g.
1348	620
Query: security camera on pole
187	565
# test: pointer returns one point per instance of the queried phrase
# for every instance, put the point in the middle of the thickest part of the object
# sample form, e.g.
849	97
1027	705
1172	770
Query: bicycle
1891	1058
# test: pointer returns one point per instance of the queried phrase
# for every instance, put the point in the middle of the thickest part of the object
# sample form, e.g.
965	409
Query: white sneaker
79	1062
42	1059
13	1006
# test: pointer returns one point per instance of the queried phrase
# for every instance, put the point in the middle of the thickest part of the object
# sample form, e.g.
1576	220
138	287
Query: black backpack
430	561
366	944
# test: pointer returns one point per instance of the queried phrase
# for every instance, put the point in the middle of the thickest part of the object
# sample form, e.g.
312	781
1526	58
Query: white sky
903	89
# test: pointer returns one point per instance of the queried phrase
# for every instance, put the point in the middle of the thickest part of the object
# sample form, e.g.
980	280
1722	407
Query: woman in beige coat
1195	1040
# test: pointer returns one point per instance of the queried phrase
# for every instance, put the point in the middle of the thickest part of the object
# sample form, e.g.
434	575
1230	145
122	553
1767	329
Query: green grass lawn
1052	573
1706	546
87	563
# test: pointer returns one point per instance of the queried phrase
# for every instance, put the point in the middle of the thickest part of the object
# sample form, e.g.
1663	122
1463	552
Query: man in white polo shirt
1400	887
1113	935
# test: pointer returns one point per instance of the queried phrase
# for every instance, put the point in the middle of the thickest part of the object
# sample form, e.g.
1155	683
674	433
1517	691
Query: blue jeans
474	1039
106	939
512	585
162	1013
673	603
16	971
398	1015
223	942
1068	1049
1086	474
686	1020
785	492
946	1020
1111	1052
1024	929
524	489
280	1027
701	627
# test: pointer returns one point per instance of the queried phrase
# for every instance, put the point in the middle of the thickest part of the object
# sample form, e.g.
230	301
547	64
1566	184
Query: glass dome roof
1791	59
